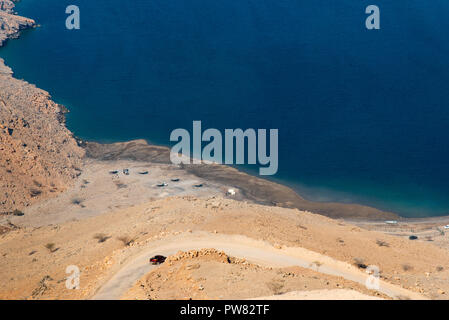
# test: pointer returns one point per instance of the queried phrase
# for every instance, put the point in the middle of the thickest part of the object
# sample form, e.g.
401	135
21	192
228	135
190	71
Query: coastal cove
361	116
134	220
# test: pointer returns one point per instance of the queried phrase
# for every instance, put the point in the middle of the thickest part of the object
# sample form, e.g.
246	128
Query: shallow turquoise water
362	115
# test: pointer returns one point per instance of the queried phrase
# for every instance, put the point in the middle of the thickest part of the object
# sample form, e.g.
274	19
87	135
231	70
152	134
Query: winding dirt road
254	251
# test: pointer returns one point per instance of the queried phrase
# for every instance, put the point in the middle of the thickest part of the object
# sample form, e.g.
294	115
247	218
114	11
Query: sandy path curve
254	251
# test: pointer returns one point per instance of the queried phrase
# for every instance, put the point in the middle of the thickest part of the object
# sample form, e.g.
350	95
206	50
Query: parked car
157	259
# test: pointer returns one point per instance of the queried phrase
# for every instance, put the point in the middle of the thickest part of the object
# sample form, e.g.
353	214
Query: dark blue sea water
363	116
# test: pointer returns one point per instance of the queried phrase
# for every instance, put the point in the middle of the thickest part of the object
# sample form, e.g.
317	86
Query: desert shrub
37	183
359	263
407	267
126	240
17	212
382	243
35	192
51	247
101	237
77	201
318	263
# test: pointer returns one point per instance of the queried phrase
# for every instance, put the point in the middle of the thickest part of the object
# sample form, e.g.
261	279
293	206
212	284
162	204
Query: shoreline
253	188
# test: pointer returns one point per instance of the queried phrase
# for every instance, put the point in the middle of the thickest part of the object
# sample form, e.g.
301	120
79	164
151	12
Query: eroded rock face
11	24
7	6
38	155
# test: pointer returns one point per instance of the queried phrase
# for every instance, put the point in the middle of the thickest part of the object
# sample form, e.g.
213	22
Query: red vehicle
157	260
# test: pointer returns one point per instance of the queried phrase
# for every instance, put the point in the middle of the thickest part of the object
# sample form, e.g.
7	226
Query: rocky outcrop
7	6
38	156
10	23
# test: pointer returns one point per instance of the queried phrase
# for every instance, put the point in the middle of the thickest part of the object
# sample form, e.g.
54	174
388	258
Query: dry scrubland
101	245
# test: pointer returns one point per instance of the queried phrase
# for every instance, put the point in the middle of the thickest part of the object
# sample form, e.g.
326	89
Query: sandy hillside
32	268
211	274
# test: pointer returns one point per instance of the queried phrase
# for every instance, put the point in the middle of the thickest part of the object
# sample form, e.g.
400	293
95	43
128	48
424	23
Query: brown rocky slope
11	24
38	155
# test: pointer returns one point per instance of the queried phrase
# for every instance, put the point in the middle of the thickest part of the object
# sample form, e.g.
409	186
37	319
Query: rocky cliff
38	156
10	23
